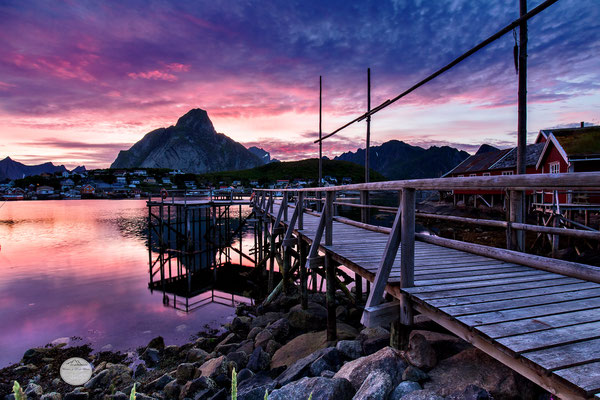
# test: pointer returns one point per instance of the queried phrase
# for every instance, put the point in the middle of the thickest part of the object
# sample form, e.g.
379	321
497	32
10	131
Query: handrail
567	181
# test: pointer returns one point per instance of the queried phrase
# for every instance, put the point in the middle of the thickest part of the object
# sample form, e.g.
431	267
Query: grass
18	392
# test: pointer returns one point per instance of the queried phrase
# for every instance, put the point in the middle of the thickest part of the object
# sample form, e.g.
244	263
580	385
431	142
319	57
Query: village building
88	189
44	190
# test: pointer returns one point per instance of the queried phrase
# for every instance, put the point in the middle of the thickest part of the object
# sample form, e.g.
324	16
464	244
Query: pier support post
330	268
303	250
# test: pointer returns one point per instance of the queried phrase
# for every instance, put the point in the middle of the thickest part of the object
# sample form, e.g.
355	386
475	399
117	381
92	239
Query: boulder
157	343
244	374
196	355
76	395
422	395
226	344
151	356
327	374
403	389
374	339
387	359
158	384
444	345
377	386
253	332
311	319
326	358
247	346
471	392
214	367
51	396
350	349
239	358
272	347
321	389
473	367
33	391
412	373
172	390
259	360
140	370
241	325
254	387
306	344
263	338
280	329
420	353
193	387
265	319
185	372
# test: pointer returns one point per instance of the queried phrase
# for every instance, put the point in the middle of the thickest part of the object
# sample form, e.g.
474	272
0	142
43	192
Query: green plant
18	391
233	385
132	395
310	397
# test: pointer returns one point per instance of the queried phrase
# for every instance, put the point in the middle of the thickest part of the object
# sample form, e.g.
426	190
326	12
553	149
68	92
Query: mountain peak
486	148
196	120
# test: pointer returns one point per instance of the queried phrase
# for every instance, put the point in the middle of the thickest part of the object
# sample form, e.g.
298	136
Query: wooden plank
475	279
521	302
534	324
461	294
380	315
567	355
551	337
472	274
526	291
586	376
529	312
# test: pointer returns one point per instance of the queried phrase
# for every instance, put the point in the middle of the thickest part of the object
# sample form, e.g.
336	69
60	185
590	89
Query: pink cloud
154	75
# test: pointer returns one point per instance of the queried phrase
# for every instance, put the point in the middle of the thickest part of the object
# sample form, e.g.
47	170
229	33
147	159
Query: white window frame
461	176
554	167
473	175
486	174
507	173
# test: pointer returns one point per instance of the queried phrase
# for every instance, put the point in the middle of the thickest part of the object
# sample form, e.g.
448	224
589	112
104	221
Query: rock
473	367
51	396
244	374
420	353
311	319
263	338
403	389
471	392
321	389
34	354
227	344
196	355
320	365
444	345
374	339
201	384
386	359
158	384
157	343
33	390
239	358
326	358
214	367
350	349
306	344
140	370
151	356
280	329
253	332
422	395
272	347
185	372
377	386
120	396
247	346
265	319
327	374
220	395
241	325
412	373
259	360
341	312
76	395
102	379
172	389
254	387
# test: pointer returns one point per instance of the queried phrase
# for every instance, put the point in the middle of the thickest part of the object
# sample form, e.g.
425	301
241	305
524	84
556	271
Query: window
555	167
461	176
507	172
473	175
486	174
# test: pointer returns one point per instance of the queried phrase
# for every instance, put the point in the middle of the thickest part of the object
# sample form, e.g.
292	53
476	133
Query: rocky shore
283	350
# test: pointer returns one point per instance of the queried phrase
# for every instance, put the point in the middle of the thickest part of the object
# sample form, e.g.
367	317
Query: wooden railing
402	233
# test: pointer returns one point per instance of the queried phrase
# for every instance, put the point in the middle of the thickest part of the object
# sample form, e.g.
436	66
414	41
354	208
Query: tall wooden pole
518	199
368	126
320	132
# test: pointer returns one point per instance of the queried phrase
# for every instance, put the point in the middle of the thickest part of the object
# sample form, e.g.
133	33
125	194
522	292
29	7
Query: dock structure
539	316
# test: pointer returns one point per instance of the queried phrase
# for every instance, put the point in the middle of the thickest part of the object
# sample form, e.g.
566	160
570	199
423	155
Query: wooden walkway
544	325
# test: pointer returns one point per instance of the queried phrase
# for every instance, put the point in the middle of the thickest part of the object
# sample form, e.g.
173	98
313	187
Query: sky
81	80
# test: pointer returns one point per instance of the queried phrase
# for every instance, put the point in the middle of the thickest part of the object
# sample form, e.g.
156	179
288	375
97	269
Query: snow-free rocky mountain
192	145
11	169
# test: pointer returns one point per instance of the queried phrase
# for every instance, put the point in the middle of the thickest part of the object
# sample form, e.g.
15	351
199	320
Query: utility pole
368	125
320	141
517	209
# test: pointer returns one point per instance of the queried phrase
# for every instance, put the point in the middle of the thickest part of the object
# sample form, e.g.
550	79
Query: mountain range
11	169
191	145
398	160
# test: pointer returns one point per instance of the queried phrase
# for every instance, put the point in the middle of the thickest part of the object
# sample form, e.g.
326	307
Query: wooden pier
539	316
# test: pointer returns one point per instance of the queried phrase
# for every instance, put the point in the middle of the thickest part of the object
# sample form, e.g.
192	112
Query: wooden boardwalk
544	325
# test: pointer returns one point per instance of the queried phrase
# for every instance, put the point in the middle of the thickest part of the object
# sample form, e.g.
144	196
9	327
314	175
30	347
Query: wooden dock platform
542	324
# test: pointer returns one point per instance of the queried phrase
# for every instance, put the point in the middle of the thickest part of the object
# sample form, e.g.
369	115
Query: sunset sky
81	80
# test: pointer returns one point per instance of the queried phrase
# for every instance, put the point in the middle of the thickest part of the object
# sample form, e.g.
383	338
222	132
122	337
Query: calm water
80	268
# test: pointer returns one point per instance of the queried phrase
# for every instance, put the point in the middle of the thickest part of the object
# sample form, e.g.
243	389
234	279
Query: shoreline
282	349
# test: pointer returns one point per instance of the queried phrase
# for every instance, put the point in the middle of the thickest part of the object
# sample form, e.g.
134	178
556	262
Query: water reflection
80	268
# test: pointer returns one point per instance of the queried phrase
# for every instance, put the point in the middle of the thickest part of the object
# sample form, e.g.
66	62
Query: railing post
364	212
330	267
407	245
284	204
300	205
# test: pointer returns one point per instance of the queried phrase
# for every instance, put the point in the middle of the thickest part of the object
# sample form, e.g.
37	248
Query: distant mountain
79	170
399	160
10	169
192	145
264	155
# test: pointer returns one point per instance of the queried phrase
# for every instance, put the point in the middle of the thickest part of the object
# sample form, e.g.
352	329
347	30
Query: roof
579	142
532	155
480	161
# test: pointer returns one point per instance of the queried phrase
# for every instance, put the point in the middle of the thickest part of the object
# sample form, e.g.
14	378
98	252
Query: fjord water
79	268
